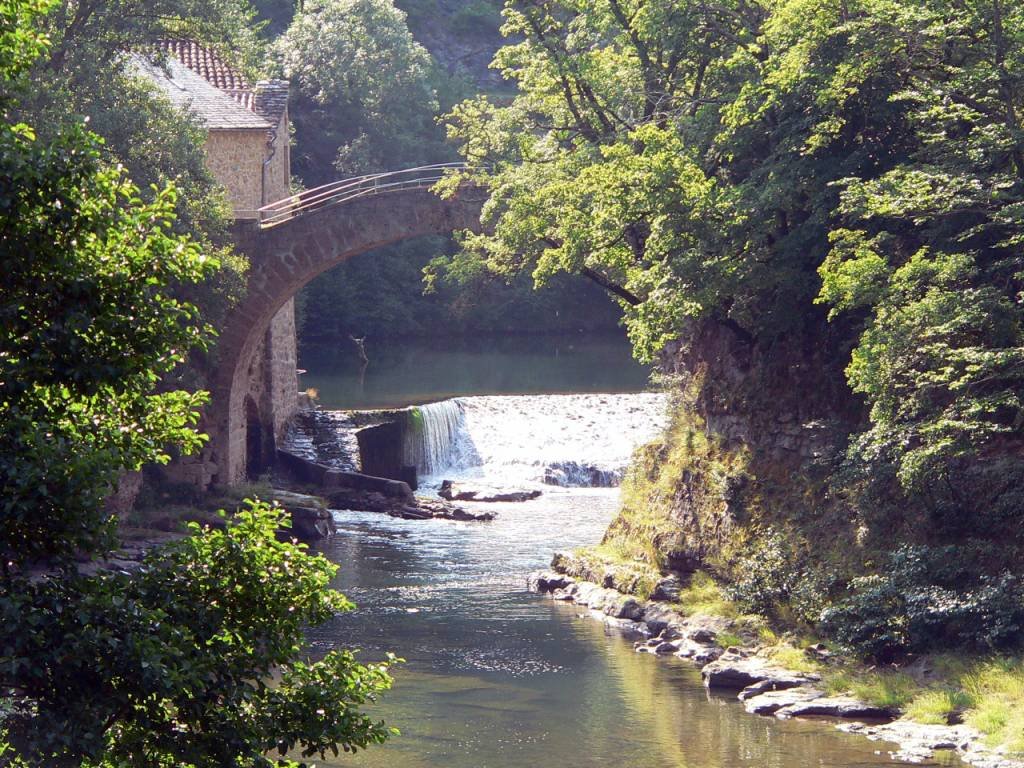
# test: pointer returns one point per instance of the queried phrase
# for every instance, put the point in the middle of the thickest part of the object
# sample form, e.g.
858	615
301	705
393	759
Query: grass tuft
729	640
704	595
938	707
997	689
794	659
891	690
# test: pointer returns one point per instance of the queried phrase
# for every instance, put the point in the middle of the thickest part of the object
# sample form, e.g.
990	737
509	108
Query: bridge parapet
340	192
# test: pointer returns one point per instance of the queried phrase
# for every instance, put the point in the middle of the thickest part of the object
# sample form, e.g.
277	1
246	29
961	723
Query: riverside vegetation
808	211
810	215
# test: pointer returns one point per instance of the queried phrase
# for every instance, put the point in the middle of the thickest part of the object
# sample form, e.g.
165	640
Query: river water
496	677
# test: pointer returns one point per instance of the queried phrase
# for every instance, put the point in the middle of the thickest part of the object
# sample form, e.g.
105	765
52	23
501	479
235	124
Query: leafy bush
927	598
774	581
176	664
767	577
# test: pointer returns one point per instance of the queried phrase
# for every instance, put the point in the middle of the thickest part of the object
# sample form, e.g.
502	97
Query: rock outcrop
453	491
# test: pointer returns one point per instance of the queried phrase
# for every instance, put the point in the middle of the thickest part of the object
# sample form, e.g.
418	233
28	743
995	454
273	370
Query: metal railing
350	189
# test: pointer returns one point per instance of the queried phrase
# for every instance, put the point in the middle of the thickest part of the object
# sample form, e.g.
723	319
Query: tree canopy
708	161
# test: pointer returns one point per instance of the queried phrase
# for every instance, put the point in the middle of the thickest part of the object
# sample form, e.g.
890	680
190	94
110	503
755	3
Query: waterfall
432	434
583	440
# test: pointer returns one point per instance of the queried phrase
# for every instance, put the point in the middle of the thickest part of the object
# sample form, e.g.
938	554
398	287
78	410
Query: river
496	677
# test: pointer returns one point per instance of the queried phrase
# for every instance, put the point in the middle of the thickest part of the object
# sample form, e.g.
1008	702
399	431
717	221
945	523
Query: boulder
697	653
667	590
310	518
572	474
623	607
660	618
703	635
568	594
310	523
460	492
548	581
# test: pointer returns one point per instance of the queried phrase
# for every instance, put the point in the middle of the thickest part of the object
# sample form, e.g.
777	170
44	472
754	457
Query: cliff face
758	431
753	482
786	402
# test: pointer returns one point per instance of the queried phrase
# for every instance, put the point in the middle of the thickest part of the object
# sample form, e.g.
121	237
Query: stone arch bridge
292	242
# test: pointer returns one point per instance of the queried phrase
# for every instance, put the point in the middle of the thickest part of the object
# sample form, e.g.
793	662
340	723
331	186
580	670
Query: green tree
366	99
87	74
170	665
88	328
741	165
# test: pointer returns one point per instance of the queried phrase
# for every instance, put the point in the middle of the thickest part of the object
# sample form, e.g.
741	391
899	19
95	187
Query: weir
507	441
431	436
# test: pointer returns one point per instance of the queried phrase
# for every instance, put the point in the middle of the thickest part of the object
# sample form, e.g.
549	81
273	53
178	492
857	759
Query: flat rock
772	701
735	671
775	683
835	706
462	492
289	499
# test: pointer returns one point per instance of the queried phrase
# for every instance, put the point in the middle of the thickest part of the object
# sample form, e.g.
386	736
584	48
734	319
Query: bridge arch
299	239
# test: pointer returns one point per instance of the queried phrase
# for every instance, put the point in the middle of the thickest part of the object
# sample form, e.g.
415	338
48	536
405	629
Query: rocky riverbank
763	686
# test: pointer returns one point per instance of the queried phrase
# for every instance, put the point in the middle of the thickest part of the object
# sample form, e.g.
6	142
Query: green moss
416	420
606	565
646	528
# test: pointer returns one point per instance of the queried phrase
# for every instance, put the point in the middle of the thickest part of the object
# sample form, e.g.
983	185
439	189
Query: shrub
926	599
772	581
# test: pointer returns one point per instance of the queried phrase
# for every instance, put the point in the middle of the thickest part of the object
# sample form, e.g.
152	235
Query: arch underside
285	258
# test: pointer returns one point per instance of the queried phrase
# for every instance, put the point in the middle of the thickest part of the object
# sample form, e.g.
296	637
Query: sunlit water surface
497	677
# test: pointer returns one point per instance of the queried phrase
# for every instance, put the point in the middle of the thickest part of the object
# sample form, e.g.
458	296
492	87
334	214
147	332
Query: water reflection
499	678
405	372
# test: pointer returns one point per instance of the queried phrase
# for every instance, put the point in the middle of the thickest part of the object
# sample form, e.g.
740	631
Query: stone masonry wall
235	158
277	177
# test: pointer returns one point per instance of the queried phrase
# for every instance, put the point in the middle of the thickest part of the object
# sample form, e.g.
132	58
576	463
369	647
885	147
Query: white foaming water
429	444
531	439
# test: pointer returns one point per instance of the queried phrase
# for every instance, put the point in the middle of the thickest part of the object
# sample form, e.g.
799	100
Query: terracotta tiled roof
205	63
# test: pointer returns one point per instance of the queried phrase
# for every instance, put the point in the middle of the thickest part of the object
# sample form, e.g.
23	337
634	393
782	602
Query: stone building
247	151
